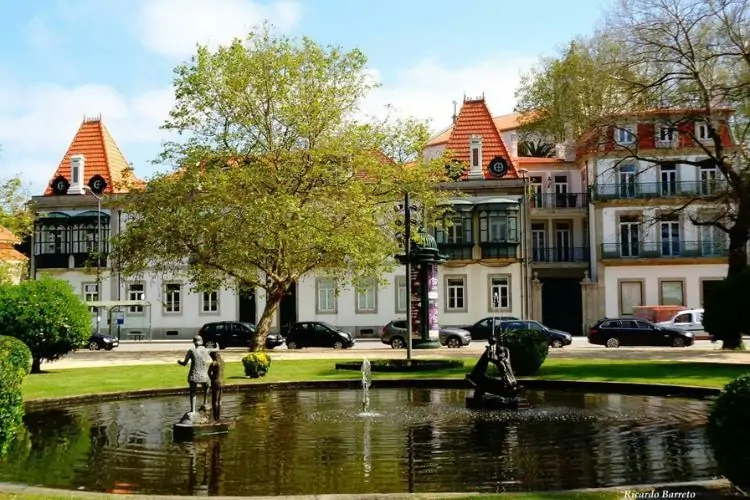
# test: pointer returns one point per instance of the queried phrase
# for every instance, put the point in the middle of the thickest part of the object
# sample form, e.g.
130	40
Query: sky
61	60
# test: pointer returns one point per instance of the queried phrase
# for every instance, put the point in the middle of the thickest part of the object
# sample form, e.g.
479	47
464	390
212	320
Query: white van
690	320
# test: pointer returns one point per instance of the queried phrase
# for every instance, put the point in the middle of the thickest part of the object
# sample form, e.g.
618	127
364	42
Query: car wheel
210	344
397	343
338	345
94	346
613	342
453	342
557	344
678	342
291	345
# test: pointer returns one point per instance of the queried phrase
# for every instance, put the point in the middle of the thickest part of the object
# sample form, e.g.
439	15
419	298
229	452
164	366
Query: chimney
455	116
77	163
514	145
475	157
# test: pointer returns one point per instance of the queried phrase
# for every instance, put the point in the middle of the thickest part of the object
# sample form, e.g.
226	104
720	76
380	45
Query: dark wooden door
247	312
562	304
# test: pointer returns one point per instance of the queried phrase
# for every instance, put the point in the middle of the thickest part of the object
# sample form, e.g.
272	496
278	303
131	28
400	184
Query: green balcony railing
664	249
670	189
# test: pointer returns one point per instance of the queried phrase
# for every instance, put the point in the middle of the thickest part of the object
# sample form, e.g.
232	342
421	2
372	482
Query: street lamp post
525	244
98	253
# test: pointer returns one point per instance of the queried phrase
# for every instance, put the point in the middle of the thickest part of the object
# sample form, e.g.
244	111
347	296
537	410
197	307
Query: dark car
482	329
557	338
99	341
318	334
223	334
614	332
394	334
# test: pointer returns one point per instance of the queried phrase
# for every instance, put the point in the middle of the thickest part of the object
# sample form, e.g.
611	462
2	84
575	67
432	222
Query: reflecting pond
314	442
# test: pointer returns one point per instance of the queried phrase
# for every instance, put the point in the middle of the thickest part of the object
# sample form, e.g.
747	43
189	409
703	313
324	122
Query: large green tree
275	176
689	56
14	206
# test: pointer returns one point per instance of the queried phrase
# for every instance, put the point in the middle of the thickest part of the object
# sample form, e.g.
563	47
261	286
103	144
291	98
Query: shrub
47	316
725	307
16	353
528	350
256	364
729	432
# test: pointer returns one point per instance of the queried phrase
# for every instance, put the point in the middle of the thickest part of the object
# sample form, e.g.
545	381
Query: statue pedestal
188	432
492	402
425	344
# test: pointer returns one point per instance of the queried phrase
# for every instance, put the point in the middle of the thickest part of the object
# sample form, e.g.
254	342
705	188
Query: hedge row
15	364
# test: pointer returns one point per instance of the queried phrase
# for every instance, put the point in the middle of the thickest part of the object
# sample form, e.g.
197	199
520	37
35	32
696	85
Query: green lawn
83	381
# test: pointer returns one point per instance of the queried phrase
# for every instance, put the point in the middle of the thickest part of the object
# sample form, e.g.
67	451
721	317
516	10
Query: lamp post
98	252
525	243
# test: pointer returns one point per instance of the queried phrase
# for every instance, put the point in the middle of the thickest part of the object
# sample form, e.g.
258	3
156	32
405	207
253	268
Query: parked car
557	338
482	329
318	334
394	334
99	341
223	334
690	320
614	332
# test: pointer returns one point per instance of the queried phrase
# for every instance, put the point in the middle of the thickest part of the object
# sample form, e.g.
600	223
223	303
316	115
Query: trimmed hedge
15	364
729	431
528	350
403	365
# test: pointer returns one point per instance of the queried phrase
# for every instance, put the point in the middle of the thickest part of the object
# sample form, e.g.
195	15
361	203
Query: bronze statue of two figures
500	392
206	372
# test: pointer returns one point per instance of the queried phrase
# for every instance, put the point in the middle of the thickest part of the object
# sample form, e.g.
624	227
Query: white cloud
173	27
426	90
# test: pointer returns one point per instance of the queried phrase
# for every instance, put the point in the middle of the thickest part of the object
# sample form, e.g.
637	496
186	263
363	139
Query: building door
562	304
536	192
670	238
561	190
627	181
288	309
538	243
247	307
562	242
629	237
668	180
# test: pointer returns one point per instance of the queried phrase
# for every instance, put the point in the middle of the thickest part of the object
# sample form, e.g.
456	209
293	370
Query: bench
137	336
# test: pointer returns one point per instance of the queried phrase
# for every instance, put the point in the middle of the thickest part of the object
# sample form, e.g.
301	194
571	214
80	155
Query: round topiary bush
256	364
528	350
729	431
11	402
16	353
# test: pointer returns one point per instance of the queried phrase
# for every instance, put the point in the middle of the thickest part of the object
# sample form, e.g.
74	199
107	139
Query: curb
625	388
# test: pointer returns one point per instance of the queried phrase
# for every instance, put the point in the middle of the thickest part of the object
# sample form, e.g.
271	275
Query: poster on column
433	327
415	296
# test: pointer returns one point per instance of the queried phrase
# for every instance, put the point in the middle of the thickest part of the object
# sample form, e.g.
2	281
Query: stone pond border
625	388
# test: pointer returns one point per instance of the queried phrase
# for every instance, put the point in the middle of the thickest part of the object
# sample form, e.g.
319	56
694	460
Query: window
625	135
709	179
172	299
326	296
701	131
668	174
499	293
666	135
136	291
367	296
90	292
713	241
455	293
51	240
627	180
401	294
631	295
210	302
683	319
672	293
670	237
476	151
456	230
630	228
498	226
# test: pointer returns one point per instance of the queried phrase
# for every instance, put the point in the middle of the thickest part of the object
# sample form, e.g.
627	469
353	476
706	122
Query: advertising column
433	326
415	296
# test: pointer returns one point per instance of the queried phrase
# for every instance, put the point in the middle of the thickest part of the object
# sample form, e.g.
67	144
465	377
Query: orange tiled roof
475	119
502	122
8	237
11	254
102	157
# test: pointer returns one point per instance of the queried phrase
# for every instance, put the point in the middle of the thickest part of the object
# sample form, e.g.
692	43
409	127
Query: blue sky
63	59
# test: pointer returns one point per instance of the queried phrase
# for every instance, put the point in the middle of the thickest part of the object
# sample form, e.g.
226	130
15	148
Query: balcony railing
457	251
664	249
640	190
560	254
559	200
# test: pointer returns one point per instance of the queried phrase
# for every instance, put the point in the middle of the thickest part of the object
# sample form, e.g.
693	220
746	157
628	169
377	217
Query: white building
647	250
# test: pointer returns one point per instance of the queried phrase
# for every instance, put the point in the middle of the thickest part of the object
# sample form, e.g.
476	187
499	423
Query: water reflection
314	442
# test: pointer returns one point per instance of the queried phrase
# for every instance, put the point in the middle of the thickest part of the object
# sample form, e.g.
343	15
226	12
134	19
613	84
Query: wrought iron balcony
560	254
646	190
457	251
664	249
558	200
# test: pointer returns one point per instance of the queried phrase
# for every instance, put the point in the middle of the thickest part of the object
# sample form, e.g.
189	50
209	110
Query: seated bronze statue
504	385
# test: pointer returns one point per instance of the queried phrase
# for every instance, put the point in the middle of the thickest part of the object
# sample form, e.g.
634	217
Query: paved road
167	352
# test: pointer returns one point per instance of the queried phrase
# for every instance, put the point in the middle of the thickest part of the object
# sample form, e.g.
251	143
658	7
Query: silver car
394	334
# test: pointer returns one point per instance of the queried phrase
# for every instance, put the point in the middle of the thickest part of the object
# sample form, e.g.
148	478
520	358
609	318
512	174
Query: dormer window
476	151
665	136
701	131
625	135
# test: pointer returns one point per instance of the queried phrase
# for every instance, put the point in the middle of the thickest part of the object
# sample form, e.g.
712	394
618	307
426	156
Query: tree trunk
737	252
273	299
36	365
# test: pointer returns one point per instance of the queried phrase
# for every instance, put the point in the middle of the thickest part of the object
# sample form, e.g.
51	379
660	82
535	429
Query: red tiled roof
475	119
102	157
